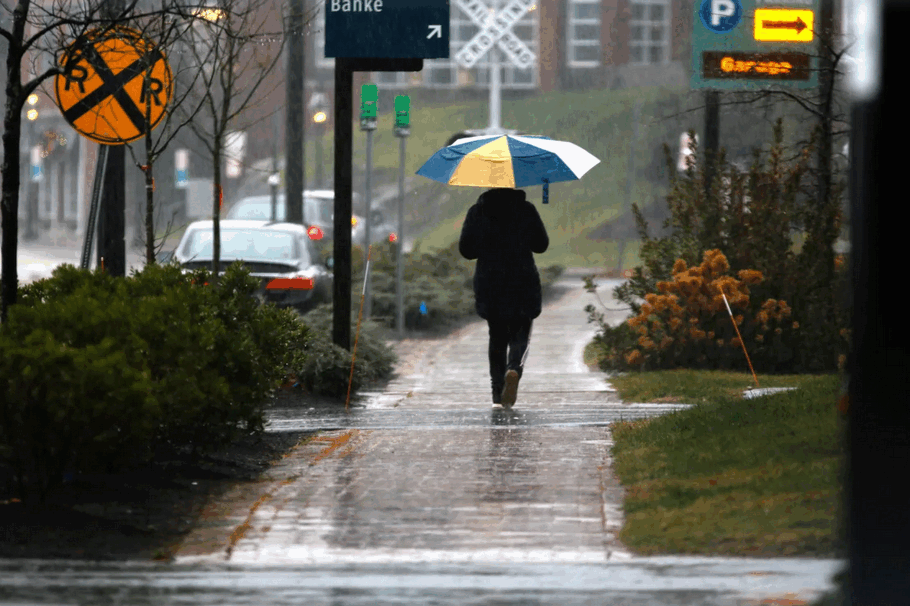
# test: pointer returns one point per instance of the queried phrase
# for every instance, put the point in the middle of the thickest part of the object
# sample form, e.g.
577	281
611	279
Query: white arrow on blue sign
387	29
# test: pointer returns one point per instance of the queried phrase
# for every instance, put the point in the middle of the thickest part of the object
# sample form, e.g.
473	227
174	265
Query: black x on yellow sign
115	87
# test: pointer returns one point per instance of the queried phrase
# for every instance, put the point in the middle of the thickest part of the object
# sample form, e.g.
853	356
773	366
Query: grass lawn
732	476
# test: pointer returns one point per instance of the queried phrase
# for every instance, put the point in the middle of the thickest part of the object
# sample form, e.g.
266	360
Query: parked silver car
318	213
280	255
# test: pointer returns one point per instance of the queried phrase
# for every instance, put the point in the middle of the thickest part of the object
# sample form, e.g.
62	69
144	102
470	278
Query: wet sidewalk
427	472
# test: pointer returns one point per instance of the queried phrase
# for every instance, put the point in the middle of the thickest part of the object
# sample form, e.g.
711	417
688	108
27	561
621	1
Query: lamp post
319	110
31	201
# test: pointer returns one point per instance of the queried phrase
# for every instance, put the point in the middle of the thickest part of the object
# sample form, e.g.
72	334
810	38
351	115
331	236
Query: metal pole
320	181
30	210
495	85
368	308
630	179
100	166
272	178
112	224
341	302
399	280
294	151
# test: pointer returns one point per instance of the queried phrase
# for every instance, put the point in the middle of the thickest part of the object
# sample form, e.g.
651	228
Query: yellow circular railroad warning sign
115	87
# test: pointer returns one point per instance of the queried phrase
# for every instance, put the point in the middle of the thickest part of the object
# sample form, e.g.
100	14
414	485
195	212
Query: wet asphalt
425	494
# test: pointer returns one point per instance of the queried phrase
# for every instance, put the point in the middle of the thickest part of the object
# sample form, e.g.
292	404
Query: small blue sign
182	178
36	172
721	16
387	29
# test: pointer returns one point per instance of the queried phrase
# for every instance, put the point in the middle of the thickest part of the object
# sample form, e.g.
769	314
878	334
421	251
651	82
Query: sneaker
510	391
497	396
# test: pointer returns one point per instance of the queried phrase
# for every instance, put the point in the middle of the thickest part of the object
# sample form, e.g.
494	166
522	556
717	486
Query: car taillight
314	233
296	283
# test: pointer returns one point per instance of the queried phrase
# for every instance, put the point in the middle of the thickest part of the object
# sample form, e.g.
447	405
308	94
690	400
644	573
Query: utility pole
294	135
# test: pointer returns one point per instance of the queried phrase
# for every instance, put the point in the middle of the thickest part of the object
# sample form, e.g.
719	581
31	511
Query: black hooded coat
501	231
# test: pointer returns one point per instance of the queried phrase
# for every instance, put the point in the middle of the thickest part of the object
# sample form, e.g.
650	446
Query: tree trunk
216	212
149	188
12	135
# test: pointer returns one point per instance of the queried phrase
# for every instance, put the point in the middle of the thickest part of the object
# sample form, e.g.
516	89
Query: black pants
509	339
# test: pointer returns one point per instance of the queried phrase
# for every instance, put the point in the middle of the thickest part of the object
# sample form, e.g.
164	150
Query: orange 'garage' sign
115	86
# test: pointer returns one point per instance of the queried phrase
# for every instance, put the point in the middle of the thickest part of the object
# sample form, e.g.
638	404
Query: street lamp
319	108
31	199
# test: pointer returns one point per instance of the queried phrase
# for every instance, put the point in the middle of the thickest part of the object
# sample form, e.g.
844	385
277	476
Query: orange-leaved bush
687	324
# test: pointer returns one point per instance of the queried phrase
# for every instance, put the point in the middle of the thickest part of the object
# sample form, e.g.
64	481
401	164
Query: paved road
425	494
36	261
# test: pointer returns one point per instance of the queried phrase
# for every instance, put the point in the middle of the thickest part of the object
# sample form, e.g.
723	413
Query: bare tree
167	30
236	53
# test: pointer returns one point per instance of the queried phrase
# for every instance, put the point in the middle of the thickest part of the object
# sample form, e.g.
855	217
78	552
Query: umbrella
508	161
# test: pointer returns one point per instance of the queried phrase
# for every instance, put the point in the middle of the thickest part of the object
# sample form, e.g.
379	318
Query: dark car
318	213
280	255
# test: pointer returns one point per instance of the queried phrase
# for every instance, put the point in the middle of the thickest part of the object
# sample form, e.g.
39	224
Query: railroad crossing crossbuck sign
496	32
115	87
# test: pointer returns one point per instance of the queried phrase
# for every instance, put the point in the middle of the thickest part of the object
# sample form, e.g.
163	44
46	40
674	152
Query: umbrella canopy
508	161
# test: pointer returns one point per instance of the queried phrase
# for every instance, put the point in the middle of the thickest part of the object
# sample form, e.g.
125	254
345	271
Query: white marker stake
741	342
363	292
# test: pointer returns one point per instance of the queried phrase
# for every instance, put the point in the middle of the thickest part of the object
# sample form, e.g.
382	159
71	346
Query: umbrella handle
546	190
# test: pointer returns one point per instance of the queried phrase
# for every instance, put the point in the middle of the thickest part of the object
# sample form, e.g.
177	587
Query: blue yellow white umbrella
508	161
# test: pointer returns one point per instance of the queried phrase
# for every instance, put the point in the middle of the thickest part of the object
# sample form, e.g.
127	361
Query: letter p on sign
721	8
720	16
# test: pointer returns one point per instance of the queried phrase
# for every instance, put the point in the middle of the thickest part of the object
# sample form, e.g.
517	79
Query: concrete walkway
427	472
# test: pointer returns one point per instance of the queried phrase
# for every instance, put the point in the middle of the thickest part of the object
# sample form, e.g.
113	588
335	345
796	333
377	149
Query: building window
583	34
649	32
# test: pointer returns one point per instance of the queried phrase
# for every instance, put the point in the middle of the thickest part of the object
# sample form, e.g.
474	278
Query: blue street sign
36	172
183	178
408	29
720	16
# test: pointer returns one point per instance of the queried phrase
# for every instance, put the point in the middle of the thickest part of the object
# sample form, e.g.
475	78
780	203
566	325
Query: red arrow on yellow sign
784	25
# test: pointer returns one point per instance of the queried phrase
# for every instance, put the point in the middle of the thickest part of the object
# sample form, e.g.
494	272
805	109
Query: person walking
502	230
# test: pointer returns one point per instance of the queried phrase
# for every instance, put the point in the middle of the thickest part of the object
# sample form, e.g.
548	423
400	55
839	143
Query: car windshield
259	209
244	244
318	210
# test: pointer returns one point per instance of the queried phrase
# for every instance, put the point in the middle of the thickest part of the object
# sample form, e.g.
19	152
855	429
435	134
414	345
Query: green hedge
442	280
100	373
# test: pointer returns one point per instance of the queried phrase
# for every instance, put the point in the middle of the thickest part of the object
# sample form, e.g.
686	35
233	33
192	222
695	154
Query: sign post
390	35
369	108
495	34
402	130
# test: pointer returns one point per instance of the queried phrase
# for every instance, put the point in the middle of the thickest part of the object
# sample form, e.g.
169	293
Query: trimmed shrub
325	369
100	373
687	323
